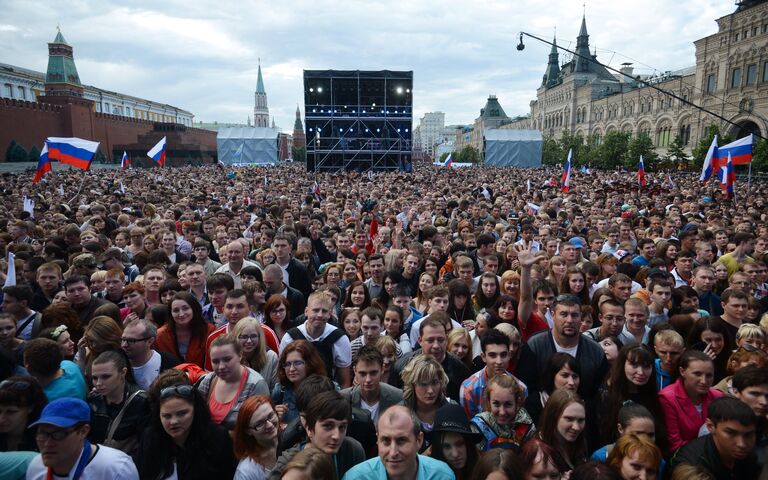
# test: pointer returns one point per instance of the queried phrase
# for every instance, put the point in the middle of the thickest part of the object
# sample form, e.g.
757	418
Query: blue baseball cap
577	242
65	413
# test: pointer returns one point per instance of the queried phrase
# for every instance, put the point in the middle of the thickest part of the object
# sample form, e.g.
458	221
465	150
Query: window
765	72
751	74
9	90
712	82
736	78
685	134
22	93
736	37
754	31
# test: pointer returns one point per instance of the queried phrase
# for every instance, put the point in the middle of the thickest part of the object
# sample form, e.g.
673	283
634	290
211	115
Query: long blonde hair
259	358
422	368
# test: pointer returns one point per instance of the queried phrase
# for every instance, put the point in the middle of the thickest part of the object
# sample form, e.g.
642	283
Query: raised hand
525	256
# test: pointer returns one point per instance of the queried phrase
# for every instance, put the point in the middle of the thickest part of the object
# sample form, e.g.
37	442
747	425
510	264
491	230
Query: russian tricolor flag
740	151
43	165
448	160
709	162
125	161
641	172
729	178
158	152
565	181
72	151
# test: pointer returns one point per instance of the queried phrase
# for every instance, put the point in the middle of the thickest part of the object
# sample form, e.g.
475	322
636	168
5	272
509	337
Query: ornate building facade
730	78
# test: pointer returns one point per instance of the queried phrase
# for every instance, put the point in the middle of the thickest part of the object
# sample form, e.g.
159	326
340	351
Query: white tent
505	147
247	145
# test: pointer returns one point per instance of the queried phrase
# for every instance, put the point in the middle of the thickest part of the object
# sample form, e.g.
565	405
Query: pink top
682	419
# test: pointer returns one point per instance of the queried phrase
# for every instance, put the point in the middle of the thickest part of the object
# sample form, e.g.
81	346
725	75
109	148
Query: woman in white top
256	435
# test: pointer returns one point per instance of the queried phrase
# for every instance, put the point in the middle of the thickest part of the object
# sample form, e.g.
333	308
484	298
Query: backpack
324	347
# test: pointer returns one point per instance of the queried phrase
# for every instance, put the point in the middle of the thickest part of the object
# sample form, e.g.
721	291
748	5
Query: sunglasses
184	391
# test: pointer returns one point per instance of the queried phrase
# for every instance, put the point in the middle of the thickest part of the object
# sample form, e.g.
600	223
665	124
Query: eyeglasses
245	338
57	435
185	391
134	341
296	364
15	385
272	418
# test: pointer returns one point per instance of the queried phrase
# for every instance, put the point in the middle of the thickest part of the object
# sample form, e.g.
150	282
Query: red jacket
680	415
166	342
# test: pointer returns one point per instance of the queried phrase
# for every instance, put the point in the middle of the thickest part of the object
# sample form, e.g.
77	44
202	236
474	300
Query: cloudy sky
202	56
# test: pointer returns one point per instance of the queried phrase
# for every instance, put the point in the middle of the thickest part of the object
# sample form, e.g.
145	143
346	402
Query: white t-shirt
570	351
374	409
342	353
107	463
247	469
148	372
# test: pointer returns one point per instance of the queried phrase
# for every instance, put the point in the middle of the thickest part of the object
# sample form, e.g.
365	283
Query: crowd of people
250	323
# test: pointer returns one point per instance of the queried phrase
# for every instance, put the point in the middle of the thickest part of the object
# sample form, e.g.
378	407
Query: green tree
700	150
443	157
34	154
640	145
612	149
468	154
8	150
582	151
552	152
299	154
17	153
676	154
760	156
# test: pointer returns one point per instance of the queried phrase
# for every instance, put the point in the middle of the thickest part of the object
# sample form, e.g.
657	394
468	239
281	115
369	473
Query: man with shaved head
236	262
399	440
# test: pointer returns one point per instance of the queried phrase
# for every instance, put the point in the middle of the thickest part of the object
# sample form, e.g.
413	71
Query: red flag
371	235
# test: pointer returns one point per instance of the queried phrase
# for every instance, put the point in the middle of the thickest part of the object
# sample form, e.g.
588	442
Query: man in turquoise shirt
399	439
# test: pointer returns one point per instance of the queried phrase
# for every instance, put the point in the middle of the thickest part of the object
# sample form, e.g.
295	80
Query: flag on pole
10	276
372	233
706	170
448	160
125	161
528	185
28	205
670	183
565	182
740	151
729	180
72	151
43	165
641	172
158	152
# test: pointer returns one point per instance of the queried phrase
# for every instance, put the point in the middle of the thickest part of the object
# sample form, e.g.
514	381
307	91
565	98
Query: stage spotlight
320	89
399	89
373	104
311	89
521	45
407	90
